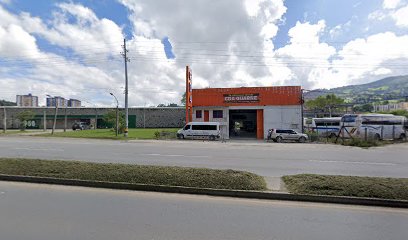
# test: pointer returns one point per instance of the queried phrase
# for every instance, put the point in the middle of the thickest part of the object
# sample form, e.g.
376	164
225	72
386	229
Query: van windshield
186	127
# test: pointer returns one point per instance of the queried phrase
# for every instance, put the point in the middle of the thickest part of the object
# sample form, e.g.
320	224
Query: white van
210	130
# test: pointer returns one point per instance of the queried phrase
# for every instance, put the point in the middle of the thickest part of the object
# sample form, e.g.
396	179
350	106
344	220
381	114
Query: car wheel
403	137
279	139
212	138
302	139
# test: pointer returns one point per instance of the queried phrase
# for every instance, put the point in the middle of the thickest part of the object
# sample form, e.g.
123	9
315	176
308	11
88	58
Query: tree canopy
327	103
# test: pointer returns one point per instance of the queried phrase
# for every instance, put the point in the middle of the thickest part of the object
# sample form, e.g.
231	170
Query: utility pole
124	54
4	119
45	120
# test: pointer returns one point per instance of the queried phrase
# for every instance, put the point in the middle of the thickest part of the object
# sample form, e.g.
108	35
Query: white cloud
390	4
401	17
227	43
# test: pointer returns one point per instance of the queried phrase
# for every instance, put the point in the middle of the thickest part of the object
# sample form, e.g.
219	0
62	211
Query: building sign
241	98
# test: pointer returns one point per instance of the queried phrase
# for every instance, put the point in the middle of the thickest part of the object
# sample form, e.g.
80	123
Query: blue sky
314	43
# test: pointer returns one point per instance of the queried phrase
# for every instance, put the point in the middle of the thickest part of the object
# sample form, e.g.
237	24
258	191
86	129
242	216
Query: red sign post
189	95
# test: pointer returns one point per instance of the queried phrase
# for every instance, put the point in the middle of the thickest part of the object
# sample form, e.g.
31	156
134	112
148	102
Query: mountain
390	88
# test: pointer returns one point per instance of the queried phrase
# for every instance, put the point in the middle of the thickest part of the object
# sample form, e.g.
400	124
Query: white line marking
171	155
40	149
363	163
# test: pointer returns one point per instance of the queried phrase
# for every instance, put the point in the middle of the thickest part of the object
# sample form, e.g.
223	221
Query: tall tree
327	103
24	116
183	99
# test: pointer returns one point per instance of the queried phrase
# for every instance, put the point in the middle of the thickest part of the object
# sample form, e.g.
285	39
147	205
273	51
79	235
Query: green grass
18	131
156	175
371	187
139	133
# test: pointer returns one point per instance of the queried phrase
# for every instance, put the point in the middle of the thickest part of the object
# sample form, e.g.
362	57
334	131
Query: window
199	114
204	127
187	127
349	118
217	114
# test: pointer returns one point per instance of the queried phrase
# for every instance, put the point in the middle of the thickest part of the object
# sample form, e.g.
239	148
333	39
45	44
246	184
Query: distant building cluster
32	101
391	107
62	102
27	100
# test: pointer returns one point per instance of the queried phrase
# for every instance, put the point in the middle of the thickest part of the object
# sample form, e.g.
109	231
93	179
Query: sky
73	48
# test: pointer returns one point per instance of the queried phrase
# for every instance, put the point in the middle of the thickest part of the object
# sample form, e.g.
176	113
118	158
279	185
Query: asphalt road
49	212
266	159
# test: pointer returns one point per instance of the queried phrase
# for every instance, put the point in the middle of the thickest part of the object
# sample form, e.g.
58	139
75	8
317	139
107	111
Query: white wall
224	120
286	117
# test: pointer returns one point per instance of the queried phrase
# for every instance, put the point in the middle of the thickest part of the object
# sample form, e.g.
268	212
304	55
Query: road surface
265	159
49	212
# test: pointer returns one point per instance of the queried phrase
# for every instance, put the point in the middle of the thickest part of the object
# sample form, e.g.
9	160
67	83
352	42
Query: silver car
280	135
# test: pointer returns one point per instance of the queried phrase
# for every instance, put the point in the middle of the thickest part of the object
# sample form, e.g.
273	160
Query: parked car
210	130
80	126
279	135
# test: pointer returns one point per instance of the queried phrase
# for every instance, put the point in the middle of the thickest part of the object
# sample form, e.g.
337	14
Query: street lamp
117	112
56	112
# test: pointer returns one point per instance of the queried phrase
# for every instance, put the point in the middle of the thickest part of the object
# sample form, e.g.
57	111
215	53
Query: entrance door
206	116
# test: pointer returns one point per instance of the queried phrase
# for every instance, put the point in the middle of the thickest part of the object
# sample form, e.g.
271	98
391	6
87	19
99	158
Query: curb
211	192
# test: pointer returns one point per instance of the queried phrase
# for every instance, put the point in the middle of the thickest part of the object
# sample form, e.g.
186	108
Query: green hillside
7	103
391	88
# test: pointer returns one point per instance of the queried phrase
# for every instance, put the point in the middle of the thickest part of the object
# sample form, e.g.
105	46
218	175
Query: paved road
266	159
49	212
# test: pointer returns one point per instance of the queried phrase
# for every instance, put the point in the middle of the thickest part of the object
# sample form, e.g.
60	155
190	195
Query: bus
374	126
326	127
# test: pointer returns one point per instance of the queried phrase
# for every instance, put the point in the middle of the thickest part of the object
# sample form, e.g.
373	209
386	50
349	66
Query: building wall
266	96
224	121
391	107
138	117
27	101
286	117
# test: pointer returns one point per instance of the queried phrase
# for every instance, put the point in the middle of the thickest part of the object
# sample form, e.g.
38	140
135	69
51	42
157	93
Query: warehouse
248	112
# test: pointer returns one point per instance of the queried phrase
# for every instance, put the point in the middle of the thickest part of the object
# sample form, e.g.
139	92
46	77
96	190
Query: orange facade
247	96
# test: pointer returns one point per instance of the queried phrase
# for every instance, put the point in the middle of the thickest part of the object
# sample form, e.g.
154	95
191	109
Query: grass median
140	133
370	187
137	174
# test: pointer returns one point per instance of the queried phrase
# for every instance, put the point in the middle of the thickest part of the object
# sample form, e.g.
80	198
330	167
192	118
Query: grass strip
140	133
370	187
140	174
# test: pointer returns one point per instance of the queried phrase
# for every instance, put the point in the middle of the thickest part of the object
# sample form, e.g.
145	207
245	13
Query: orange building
248	112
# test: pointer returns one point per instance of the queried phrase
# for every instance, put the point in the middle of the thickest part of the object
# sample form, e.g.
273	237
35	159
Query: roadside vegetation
139	133
370	187
137	174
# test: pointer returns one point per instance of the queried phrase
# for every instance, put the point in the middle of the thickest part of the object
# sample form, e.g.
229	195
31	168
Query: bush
372	187
357	142
138	174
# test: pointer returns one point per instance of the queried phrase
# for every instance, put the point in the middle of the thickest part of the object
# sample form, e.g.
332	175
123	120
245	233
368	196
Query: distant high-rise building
27	100
74	103
61	102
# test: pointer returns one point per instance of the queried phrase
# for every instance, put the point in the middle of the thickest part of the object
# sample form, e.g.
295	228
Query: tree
183	99
7	103
363	108
328	103
24	116
110	119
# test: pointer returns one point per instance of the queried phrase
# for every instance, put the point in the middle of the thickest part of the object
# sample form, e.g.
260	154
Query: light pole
117	112
56	112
